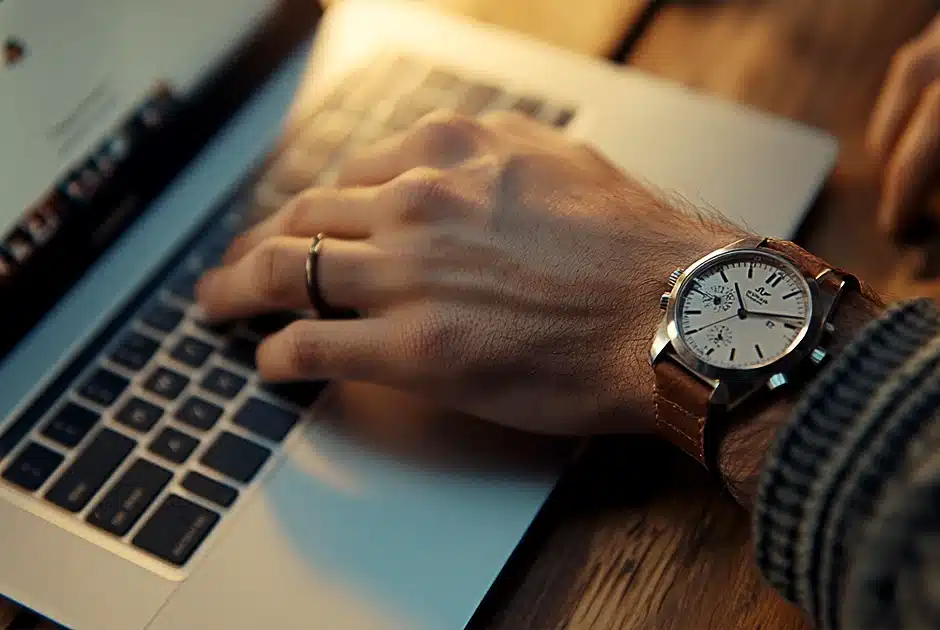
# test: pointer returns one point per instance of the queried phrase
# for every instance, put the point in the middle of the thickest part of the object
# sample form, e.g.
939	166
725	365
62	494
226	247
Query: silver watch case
731	385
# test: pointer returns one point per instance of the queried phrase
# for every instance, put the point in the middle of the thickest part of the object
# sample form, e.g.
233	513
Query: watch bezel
798	350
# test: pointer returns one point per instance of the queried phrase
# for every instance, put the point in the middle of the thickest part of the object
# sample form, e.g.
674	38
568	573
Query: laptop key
301	394
528	106
198	413
264	419
210	489
176	530
183	285
241	351
70	424
32	467
562	118
93	466
163	317
173	446
235	457
103	387
138	414
477	98
166	383
130	497
135	351
223	383
191	351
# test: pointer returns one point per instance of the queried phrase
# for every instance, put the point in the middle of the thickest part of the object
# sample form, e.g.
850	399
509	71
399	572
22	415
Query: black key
103	387
191	351
241	351
265	325
223	383
183	285
528	106
163	317
90	470
135	350
302	394
267	420
176	530
130	497
166	383
138	414
477	98
220	329
235	457
563	118
32	467
210	489
174	446
70	424
198	413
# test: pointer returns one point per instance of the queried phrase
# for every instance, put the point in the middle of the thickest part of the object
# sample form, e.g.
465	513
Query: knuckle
911	60
446	133
298	355
421	194
267	275
506	118
294	215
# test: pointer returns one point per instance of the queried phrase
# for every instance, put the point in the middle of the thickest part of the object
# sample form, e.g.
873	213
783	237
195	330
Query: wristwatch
740	323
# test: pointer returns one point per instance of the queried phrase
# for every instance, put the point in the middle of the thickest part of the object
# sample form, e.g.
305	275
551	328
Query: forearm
744	446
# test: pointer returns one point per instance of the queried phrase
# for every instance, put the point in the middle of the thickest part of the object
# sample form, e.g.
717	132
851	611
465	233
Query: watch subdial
719	336
721	300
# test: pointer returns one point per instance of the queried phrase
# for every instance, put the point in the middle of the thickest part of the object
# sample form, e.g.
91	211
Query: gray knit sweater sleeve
847	520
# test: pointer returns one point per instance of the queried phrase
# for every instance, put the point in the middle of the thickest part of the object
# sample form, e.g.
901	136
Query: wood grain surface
637	537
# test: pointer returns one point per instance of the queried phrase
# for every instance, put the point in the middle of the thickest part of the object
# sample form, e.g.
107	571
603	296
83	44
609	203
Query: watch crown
776	381
674	277
664	301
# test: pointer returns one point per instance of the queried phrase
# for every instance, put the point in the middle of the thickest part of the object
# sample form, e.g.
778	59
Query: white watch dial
744	311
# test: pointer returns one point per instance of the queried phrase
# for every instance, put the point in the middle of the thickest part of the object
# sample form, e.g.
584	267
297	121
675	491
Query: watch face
743	311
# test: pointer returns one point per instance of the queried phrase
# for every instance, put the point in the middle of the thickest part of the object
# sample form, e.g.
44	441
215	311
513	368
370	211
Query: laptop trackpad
385	513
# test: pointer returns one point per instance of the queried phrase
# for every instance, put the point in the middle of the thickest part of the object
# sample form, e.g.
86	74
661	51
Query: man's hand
904	133
498	267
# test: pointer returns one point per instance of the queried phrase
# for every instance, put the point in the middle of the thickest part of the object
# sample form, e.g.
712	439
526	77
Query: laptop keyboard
159	426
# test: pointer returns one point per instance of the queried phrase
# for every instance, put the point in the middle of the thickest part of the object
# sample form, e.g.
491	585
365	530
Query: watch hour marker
723	276
692	332
757	350
791	294
731	356
750	271
692	312
790	326
770	278
777	281
709	353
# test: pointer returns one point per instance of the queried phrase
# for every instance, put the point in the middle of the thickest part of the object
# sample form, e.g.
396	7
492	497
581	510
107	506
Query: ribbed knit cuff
809	455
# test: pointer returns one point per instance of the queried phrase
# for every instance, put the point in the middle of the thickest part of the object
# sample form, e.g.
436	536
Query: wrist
751	432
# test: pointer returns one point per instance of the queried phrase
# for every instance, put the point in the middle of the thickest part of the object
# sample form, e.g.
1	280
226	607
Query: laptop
148	479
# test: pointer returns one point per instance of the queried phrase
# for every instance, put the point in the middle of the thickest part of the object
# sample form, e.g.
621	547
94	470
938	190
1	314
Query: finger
361	350
519	126
271	277
439	140
912	165
346	213
912	69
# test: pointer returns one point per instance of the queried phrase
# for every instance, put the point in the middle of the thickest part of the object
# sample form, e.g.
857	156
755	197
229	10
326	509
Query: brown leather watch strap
682	403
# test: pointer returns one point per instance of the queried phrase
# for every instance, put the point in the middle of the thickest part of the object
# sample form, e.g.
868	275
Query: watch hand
781	315
742	312
702	293
692	332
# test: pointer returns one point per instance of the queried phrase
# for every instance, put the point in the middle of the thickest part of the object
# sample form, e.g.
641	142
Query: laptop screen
89	91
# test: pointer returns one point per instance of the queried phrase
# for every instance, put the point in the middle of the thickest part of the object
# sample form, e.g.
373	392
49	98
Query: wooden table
620	547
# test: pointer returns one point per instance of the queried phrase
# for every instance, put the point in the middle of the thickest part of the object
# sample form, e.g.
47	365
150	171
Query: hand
904	133
499	269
